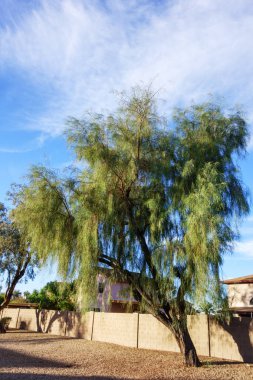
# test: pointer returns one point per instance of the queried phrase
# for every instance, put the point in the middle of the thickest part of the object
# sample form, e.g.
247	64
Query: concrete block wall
43	318
198	326
154	335
27	319
118	328
80	325
13	314
57	322
232	341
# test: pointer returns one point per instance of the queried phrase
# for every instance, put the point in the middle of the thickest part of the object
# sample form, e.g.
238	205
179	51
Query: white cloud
246	228
244	248
16	150
82	50
29	146
249	219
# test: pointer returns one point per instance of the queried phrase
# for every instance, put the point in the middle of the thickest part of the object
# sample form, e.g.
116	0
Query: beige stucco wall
119	328
239	295
27	319
154	335
13	313
198	329
232	341
80	326
54	321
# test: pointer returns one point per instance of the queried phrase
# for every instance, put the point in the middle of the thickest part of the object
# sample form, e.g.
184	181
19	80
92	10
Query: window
94	309
100	287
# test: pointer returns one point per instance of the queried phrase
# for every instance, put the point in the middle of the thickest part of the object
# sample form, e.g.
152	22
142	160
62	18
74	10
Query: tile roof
239	280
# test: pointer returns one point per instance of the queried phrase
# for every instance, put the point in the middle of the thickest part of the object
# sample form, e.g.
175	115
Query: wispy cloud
30	146
244	248
82	50
15	150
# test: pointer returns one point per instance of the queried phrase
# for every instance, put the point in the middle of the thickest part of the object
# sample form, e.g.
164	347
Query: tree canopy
155	198
54	296
17	260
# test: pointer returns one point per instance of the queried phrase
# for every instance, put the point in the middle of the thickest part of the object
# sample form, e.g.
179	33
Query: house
114	296
240	295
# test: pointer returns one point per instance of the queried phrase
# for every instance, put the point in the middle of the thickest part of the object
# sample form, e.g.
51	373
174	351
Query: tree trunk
179	329
187	347
18	275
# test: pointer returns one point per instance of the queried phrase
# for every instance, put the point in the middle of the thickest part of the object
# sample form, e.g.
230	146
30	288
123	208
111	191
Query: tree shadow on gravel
40	340
34	376
218	363
14	359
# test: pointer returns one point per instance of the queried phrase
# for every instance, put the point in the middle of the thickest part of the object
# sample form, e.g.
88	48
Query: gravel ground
33	356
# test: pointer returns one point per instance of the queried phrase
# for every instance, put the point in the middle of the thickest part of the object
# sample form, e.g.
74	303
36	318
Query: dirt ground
33	356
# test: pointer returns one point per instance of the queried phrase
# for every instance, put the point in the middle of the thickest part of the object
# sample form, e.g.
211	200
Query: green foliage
4	324
17	259
54	296
158	201
16	294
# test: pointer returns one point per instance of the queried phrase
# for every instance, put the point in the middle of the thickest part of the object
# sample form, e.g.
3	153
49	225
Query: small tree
153	200
17	260
55	296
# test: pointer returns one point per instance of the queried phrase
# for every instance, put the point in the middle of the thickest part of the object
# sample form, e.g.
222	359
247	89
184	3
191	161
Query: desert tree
155	202
17	260
54	296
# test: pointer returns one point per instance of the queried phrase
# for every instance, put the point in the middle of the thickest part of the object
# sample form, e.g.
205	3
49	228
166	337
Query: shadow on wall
51	321
77	325
239	331
25	325
66	323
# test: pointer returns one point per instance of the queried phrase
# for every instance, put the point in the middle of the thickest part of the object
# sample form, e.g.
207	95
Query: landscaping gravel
34	356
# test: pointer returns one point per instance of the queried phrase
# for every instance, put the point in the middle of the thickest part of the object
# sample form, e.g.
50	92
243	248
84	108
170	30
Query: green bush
4	324
55	296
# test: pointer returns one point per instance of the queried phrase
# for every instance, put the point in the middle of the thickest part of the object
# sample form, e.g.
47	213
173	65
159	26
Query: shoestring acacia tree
153	203
17	260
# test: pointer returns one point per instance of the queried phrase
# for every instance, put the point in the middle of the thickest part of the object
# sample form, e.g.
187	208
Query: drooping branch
137	287
144	247
60	195
19	273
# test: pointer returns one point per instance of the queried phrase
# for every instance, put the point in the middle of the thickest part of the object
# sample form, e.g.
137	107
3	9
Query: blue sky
61	58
